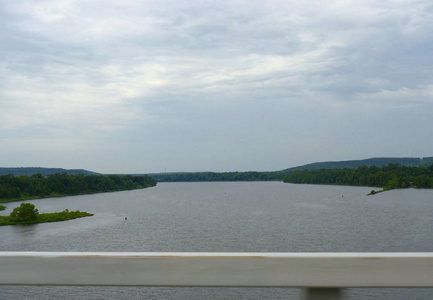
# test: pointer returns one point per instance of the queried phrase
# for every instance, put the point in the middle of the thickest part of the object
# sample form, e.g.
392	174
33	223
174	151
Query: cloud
248	84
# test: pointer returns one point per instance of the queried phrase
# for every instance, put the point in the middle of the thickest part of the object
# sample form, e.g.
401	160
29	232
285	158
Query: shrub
26	212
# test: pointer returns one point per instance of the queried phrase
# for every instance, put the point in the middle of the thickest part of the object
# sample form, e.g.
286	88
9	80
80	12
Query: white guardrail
322	274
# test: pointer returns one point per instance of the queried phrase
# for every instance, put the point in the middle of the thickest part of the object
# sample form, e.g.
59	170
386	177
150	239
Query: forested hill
43	171
353	164
279	175
389	177
242	176
23	187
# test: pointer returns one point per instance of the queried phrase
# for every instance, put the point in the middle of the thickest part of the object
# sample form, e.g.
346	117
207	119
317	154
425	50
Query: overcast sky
151	86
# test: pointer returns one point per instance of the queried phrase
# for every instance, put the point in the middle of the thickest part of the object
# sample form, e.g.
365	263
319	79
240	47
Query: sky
164	86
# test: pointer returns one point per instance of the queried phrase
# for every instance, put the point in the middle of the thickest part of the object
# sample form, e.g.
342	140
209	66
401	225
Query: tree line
213	176
39	186
390	176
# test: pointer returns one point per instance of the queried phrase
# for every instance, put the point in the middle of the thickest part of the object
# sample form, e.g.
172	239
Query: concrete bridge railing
323	275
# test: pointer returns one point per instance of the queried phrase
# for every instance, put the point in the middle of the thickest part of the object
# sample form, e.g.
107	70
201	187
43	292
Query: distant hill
279	175
353	164
241	176
43	171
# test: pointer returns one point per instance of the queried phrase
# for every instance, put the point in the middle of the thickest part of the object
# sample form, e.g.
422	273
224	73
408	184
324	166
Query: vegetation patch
213	176
27	213
374	192
392	176
2	207
18	188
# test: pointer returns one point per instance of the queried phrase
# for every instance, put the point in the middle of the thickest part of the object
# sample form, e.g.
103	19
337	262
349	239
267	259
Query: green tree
24	213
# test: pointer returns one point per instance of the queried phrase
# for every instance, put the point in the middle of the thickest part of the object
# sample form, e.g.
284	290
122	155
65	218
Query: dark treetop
13	188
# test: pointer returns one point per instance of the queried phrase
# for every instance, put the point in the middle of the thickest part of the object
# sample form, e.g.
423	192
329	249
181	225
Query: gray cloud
144	86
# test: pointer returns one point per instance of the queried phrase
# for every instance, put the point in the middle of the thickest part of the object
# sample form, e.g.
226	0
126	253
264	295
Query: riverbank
24	198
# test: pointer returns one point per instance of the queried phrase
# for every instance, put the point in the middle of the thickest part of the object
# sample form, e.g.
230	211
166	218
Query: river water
228	217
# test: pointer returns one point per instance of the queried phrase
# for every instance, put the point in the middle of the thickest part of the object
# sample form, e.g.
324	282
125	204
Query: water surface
228	217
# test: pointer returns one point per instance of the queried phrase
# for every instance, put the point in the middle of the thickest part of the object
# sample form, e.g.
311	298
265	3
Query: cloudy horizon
153	86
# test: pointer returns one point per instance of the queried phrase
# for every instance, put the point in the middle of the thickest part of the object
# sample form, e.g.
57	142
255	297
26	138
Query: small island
27	213
2	207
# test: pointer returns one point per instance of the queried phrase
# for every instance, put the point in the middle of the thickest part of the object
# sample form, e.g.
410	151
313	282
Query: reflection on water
229	217
25	231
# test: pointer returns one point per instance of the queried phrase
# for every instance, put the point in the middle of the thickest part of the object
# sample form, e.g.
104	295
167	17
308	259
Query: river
228	217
